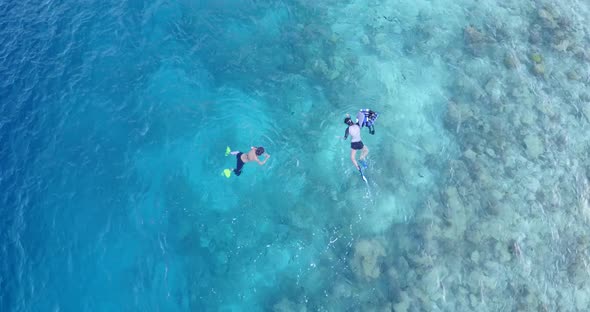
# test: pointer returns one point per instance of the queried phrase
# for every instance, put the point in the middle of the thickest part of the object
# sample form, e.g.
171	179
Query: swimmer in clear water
243	158
356	144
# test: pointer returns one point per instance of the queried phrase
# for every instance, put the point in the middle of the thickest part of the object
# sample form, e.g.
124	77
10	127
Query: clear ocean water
115	117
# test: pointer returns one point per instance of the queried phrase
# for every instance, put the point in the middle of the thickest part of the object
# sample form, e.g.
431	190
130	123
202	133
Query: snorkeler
366	118
354	130
243	158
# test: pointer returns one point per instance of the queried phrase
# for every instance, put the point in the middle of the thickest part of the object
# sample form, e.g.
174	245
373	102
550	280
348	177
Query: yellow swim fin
227	151
226	173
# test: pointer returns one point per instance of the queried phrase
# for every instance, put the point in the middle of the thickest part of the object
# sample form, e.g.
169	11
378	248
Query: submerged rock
528	118
319	66
572	75
365	40
475	257
535	34
455	214
561	45
366	259
404	304
342	290
576	270
338	65
475	40
582	54
547	18
534	146
493	89
472	35
510	60
539	69
457	114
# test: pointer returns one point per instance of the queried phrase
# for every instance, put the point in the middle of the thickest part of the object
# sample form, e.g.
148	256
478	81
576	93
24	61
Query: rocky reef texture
478	197
505	227
366	260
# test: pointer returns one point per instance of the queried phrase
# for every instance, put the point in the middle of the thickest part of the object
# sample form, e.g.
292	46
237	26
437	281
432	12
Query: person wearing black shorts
354	130
243	158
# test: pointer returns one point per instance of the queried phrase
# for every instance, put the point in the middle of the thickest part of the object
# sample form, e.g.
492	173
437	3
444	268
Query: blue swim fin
363	164
362	175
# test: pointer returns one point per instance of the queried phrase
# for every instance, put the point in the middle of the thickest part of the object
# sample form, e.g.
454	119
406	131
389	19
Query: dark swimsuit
354	145
357	145
240	164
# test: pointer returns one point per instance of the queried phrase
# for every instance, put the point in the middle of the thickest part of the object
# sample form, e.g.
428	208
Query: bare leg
353	158
364	153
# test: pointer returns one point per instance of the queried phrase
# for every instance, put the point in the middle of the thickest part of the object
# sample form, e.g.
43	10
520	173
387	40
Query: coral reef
367	259
480	178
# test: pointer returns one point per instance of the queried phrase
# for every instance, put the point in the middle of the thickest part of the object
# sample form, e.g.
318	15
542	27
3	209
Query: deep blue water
115	116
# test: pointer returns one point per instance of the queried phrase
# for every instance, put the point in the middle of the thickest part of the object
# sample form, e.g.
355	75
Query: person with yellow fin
243	158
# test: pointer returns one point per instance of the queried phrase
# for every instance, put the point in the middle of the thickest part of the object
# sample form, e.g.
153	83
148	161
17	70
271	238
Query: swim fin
363	163
227	151
226	173
363	175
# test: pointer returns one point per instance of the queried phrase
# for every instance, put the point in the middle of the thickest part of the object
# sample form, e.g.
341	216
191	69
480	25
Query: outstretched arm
266	157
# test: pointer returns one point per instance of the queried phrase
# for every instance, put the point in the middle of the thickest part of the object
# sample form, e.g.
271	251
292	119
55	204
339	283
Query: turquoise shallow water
115	117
